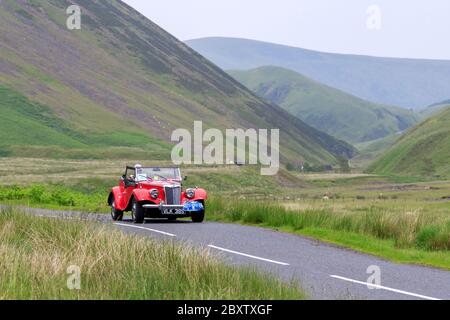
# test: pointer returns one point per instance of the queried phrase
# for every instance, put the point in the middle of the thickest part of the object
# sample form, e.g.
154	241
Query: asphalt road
324	271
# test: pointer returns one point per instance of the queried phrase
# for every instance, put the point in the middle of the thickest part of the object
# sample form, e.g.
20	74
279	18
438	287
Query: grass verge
36	252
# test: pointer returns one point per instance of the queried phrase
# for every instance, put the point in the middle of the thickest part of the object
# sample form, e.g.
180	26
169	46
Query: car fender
142	195
119	200
200	195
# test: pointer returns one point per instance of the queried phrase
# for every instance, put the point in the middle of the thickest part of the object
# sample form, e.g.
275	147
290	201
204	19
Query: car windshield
157	174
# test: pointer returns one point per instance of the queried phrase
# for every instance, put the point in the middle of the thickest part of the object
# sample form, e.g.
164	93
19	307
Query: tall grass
36	252
409	229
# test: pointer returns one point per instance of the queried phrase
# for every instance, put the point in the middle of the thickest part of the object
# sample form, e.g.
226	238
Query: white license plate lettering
173	211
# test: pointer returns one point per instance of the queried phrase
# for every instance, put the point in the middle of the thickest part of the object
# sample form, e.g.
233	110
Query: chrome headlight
190	193
154	193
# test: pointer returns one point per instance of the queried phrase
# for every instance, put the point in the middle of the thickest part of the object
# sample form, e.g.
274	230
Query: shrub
63	198
37	193
12	193
433	237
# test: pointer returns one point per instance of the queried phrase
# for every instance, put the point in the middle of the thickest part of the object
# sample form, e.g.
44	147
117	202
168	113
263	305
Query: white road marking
385	288
248	255
148	229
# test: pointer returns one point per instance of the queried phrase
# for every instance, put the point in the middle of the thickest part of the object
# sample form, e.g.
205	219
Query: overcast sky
394	28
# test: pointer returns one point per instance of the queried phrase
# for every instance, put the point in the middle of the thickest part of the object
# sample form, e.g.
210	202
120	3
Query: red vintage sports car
156	192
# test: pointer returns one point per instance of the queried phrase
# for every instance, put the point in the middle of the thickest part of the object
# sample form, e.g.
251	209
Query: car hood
161	184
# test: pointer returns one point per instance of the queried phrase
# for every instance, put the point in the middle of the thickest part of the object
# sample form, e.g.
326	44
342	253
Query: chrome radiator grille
173	194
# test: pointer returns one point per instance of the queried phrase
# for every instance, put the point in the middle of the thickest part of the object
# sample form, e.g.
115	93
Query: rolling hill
327	109
121	82
422	151
408	83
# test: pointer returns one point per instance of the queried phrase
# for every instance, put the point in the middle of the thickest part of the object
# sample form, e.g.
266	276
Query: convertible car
156	192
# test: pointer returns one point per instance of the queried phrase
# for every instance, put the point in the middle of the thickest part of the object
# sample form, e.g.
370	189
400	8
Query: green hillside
122	82
327	109
408	83
27	127
23	123
422	151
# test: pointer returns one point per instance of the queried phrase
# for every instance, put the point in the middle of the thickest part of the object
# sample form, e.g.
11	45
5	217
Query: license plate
173	211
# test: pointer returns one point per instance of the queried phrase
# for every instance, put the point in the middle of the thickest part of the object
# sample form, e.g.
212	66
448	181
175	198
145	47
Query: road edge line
248	255
384	288
143	228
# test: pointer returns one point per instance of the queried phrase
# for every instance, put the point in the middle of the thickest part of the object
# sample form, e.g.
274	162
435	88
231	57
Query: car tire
137	212
198	217
116	215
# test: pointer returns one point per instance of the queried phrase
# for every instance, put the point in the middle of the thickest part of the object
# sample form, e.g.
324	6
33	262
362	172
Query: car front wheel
116	215
137	212
198	216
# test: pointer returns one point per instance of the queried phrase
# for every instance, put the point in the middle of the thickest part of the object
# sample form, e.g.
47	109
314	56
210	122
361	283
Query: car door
129	183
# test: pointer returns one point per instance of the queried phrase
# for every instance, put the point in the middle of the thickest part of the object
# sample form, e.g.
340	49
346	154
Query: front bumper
166	209
176	209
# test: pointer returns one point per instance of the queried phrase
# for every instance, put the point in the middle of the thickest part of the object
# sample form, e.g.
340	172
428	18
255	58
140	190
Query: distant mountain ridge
327	109
122	81
445	102
433	108
408	83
